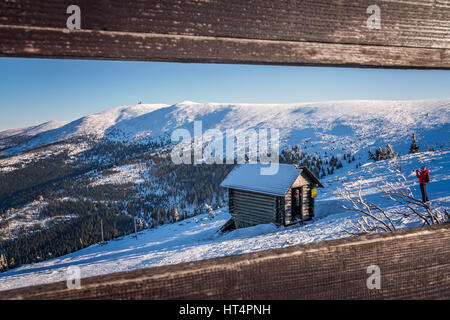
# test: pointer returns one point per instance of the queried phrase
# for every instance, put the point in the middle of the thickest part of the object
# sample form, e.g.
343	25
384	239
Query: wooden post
135	228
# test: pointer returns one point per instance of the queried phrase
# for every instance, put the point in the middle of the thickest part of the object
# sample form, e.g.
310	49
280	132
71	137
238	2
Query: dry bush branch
375	218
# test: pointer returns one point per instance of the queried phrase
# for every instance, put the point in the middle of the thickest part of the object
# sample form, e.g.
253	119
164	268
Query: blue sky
33	91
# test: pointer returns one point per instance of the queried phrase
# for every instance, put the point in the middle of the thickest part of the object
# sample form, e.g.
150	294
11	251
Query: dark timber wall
414	264
251	208
414	34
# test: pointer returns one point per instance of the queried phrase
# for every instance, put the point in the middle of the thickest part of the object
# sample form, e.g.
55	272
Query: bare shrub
376	218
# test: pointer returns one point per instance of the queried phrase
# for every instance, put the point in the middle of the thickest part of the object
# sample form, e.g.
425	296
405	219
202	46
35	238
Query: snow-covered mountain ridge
360	123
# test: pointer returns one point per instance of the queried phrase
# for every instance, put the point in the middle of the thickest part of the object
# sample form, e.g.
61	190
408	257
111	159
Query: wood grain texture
414	34
414	263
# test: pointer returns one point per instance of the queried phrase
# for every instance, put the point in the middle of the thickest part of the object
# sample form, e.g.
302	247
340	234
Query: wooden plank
257	210
414	264
253	195
254	215
254	205
413	34
265	201
253	218
248	221
255	202
414	23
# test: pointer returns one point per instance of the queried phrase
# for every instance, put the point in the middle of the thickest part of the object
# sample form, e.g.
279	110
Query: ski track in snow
197	238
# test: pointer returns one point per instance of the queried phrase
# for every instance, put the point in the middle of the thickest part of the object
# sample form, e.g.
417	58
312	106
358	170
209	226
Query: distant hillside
342	124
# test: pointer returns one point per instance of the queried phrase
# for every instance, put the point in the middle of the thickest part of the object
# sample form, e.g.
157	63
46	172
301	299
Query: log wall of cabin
280	211
287	207
307	206
230	202
250	208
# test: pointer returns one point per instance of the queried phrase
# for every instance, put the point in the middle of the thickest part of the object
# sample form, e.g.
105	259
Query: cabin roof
248	177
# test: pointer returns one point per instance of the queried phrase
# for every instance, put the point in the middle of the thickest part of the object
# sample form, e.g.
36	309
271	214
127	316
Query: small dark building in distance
258	199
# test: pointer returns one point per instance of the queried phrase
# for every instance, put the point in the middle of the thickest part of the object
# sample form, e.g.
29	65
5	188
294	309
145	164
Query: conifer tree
414	148
390	152
3	262
371	156
381	154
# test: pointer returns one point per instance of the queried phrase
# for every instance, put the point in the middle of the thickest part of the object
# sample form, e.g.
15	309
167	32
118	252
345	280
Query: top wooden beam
413	33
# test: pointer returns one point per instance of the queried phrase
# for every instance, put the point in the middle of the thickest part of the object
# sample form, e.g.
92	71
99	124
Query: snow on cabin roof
248	177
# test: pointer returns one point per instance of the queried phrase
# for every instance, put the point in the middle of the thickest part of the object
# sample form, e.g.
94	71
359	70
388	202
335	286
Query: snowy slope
33	130
328	125
11	137
197	238
341	123
93	126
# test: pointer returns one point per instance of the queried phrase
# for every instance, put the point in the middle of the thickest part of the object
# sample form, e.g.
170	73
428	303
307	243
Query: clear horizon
35	91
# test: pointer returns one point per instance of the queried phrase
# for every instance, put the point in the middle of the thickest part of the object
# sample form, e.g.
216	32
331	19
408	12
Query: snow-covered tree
381	154
372	156
390	152
176	214
3	262
210	211
414	148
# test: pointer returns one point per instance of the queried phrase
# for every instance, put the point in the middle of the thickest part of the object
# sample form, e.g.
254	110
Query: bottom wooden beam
413	264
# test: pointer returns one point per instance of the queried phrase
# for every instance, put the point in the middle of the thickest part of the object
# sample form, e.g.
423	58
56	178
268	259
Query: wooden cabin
258	199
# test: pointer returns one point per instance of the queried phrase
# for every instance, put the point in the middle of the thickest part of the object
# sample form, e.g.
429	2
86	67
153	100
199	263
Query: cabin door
296	203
